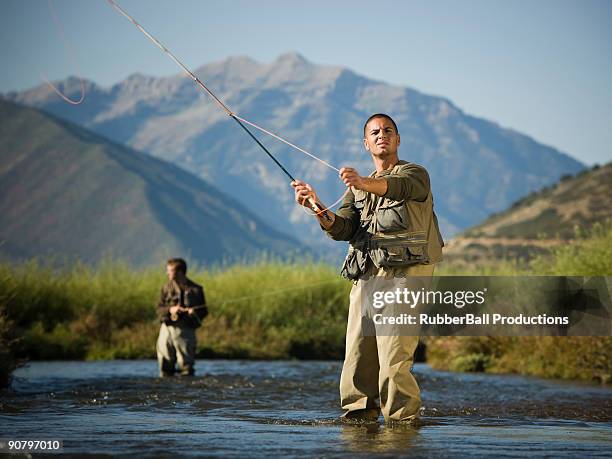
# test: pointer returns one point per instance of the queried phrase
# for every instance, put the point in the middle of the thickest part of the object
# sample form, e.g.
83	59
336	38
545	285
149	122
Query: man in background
181	309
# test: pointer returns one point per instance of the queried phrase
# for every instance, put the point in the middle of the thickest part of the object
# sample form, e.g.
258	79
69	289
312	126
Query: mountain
65	190
476	166
541	219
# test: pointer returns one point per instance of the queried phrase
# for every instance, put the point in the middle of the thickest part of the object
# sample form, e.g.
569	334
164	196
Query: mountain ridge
540	220
69	191
477	167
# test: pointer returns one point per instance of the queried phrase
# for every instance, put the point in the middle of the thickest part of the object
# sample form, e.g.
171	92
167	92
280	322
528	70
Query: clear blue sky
542	67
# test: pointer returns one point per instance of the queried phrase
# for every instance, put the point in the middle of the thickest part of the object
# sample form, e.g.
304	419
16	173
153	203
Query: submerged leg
400	396
166	353
184	339
359	379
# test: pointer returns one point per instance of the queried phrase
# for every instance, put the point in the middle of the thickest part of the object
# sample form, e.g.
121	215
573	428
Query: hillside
65	190
477	167
541	219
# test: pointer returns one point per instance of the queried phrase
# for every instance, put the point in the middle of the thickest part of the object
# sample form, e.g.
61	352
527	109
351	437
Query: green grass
586	358
8	341
588	254
264	310
268	309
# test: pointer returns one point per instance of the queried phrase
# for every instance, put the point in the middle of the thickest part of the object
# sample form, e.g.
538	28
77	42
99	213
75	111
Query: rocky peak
291	58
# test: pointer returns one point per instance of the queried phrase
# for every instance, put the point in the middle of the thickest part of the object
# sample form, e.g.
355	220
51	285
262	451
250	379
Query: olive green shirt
411	182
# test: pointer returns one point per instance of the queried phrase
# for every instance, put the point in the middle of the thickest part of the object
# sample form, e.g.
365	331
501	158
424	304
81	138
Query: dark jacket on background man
189	295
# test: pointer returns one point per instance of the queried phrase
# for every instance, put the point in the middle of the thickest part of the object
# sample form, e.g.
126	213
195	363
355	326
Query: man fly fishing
394	202
180	309
389	221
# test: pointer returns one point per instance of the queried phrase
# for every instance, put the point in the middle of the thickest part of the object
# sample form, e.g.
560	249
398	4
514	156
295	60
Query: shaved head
379	115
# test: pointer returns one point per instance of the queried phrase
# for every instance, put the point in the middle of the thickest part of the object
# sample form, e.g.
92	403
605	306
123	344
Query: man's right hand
175	309
303	191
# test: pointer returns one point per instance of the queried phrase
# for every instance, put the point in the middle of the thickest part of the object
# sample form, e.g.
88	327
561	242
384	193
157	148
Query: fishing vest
392	233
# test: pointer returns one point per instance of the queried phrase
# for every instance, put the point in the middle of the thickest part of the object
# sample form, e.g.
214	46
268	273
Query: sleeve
411	182
163	310
347	220
202	312
202	298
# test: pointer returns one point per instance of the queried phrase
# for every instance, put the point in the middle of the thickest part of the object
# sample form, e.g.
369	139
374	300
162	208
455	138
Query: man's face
171	271
381	139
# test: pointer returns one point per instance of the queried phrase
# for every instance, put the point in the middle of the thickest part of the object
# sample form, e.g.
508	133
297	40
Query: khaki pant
176	345
379	366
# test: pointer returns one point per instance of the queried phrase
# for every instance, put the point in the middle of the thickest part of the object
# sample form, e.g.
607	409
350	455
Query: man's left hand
352	178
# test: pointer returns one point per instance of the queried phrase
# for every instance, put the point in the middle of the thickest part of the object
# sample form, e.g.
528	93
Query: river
234	408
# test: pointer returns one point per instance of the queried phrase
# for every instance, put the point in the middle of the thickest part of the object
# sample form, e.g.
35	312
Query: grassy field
586	358
263	310
267	310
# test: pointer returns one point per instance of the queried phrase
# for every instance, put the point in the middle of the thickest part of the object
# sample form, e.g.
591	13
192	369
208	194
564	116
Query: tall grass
267	309
587	358
8	360
588	254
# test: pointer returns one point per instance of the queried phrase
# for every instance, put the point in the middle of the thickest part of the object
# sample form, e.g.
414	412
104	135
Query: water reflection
376	438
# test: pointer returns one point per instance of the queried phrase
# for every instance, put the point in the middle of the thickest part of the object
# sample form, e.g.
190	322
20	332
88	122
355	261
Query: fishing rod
314	206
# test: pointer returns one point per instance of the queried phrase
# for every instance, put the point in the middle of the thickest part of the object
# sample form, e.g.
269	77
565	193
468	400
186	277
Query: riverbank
585	358
268	310
263	310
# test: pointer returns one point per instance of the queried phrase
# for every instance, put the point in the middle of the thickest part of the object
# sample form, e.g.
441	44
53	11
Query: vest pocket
391	216
355	264
393	255
417	252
